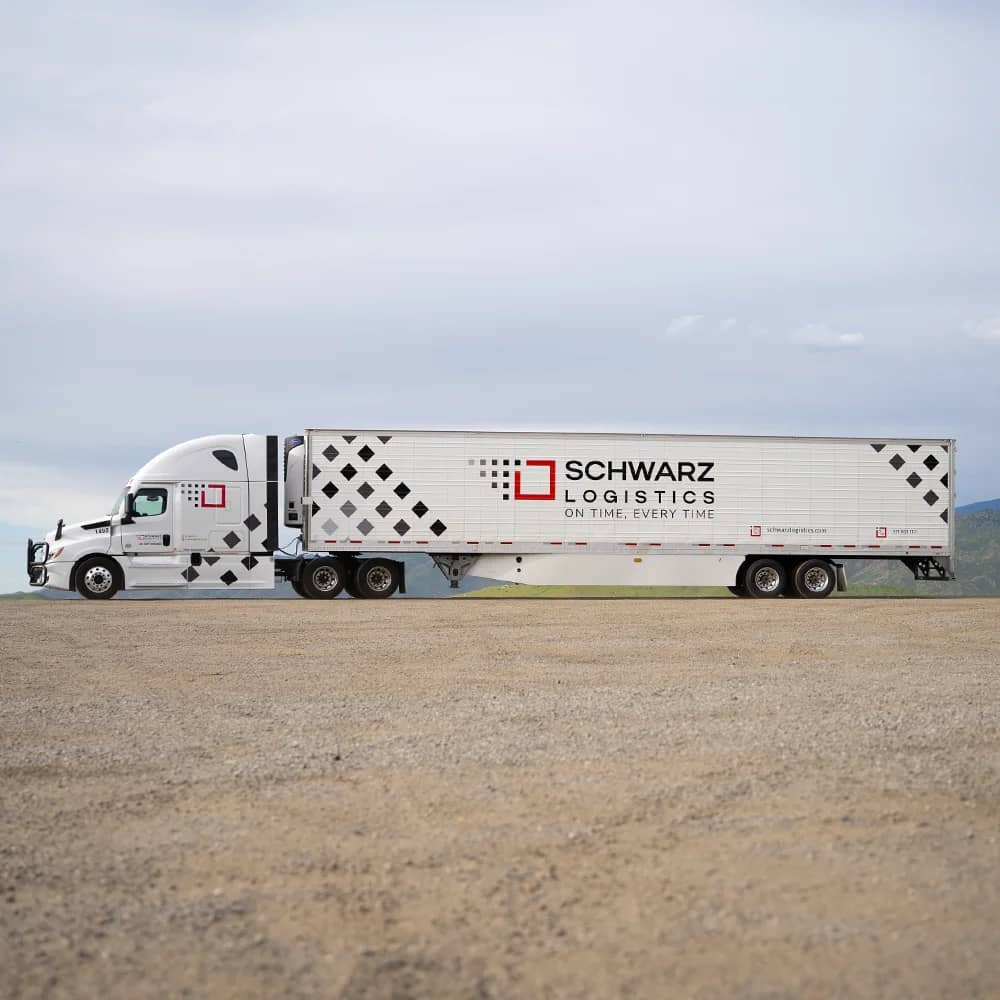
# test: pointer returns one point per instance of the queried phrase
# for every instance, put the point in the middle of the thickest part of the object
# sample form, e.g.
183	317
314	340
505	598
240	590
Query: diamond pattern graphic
897	462
330	453
249	561
330	491
228	578
931	462
383	509
348	471
913	447
944	515
329	526
402	491
401	527
364	452
944	480
438	528
366	490
190	574
252	522
211	560
914	480
385	438
349	437
931	498
365	526
316	470
231	539
420	508
315	507
348	509
383	472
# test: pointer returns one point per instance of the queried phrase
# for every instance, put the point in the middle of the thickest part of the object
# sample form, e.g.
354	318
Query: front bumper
38	552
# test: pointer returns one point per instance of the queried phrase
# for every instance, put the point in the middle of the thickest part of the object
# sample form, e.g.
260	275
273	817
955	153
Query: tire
738	591
98	579
814	578
766	578
376	578
297	587
323	578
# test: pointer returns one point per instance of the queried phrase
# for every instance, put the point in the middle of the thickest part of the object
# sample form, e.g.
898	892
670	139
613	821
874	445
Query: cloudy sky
767	218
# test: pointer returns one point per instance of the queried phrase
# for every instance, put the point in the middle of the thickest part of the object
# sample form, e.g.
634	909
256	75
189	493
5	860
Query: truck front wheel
98	579
376	578
322	578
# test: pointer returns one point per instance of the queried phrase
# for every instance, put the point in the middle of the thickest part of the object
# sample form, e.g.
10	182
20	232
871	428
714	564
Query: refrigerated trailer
764	516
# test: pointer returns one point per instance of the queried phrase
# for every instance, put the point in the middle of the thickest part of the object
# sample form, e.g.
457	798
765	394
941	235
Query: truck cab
201	515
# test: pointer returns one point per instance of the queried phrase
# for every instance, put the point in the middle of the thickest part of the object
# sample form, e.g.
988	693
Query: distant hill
971	508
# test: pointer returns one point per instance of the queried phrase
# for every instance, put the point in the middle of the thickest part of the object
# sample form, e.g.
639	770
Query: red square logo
214	495
549	490
755	531
881	532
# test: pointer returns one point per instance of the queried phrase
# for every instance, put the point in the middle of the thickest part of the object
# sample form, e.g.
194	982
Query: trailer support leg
454	568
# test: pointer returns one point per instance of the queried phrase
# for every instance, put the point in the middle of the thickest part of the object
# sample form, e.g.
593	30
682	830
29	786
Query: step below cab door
149	539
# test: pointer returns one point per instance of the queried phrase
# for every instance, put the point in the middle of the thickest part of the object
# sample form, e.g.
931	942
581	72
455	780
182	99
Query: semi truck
764	516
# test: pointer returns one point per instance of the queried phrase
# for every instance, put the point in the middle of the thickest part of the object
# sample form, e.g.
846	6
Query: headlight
55	554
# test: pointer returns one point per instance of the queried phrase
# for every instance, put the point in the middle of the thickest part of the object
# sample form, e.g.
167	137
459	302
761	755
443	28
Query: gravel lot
675	798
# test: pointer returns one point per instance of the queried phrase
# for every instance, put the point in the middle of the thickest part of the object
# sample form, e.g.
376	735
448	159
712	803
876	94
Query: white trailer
764	516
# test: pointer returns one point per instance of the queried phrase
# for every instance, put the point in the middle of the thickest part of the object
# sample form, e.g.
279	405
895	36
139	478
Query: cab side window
150	501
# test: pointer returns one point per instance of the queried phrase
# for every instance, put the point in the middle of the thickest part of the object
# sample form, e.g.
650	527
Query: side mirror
129	508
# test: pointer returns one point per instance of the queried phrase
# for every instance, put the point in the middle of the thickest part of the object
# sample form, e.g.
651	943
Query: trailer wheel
322	578
738	591
765	578
377	578
98	579
814	578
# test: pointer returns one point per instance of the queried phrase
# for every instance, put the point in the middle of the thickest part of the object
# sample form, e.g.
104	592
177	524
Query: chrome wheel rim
379	579
816	580
767	580
98	579
325	579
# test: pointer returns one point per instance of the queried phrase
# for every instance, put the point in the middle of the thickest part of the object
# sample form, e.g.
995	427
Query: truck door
149	542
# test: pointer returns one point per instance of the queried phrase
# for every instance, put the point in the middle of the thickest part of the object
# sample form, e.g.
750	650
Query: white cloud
683	324
728	324
35	497
818	337
987	329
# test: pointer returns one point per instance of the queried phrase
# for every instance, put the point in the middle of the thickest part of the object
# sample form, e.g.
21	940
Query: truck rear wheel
98	579
765	578
814	578
297	587
322	578
376	578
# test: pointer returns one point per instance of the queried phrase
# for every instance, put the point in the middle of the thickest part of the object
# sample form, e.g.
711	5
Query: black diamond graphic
190	574
349	437
401	527
878	447
228	578
366	490
330	491
896	462
420	508
383	509
931	462
365	453
914	480
231	539
931	498
316	470
252	522
348	508
944	516
385	438
315	507
330	453
438	528
913	447
211	560
249	561
383	471
348	471
944	480
365	526
402	491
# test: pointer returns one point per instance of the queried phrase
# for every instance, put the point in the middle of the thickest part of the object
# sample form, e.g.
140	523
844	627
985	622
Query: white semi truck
764	516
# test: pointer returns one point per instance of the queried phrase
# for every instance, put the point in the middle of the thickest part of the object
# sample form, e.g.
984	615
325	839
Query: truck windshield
119	505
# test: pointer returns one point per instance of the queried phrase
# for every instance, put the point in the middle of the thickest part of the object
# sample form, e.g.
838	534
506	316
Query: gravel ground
679	798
